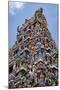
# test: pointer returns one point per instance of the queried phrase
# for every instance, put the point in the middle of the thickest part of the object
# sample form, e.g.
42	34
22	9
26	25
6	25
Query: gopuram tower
33	59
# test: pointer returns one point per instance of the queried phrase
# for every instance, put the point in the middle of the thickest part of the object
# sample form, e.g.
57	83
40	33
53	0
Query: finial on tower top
41	10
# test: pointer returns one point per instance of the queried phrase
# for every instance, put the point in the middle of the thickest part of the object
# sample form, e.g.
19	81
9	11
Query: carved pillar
14	66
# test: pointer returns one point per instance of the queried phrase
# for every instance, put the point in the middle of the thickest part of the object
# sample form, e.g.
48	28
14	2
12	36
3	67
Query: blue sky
19	11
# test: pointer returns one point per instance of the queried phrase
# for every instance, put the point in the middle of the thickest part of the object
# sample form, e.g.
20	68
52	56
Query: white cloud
13	6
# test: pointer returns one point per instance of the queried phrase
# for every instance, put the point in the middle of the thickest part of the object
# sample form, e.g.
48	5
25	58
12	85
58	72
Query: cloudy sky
14	6
19	11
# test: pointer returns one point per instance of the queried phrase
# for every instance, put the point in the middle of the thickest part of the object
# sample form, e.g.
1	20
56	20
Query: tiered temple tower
33	59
